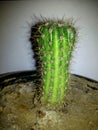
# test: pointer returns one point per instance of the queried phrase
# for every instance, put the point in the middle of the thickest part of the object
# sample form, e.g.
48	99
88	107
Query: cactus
56	40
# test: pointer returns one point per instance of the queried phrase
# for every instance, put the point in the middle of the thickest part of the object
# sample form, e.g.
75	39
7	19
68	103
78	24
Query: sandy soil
21	107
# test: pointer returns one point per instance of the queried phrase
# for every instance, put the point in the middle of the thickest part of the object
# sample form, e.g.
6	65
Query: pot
21	106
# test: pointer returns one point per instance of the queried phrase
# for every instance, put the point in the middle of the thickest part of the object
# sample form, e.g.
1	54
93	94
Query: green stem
56	42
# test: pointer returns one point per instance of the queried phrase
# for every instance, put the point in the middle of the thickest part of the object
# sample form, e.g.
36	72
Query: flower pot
21	106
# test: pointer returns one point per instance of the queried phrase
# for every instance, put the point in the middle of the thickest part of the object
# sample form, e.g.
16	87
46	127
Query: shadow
11	78
35	48
34	32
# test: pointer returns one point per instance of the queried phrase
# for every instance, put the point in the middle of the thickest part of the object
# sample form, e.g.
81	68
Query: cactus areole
56	42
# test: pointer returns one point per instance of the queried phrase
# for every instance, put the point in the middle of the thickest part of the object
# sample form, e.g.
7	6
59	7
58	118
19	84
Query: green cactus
56	42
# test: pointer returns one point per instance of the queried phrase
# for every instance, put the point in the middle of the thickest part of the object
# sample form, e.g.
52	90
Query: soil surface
21	107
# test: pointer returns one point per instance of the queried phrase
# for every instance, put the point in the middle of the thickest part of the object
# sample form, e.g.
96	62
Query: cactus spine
56	42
